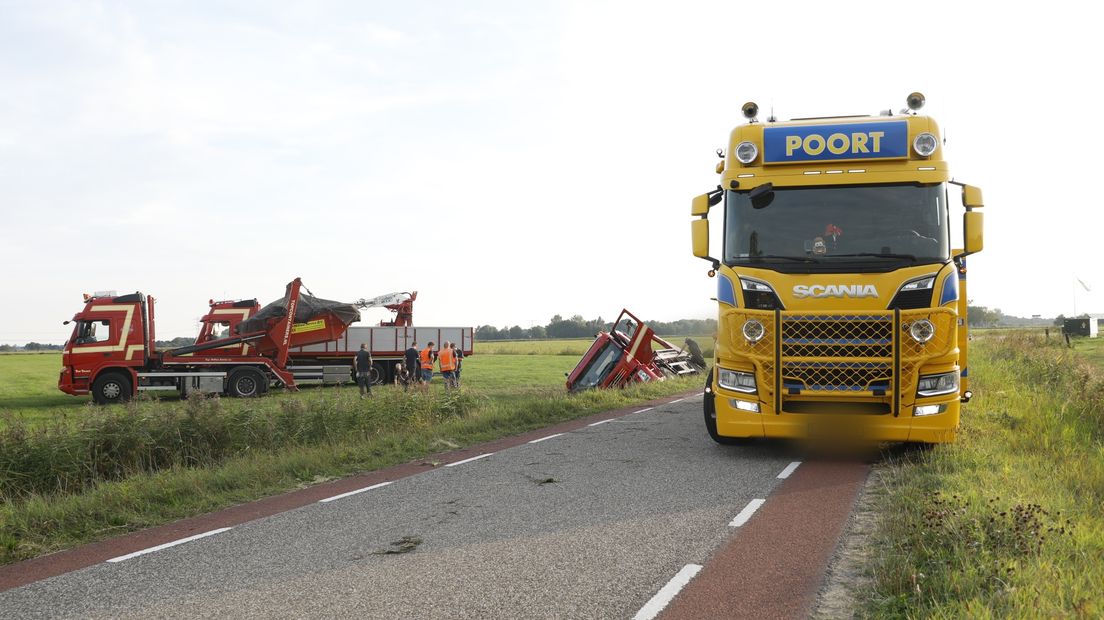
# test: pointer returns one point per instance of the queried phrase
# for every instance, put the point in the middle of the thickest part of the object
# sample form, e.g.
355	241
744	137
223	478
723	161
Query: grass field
1007	522
72	472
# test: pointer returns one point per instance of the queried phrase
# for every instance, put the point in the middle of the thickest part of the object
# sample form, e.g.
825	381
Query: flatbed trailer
331	361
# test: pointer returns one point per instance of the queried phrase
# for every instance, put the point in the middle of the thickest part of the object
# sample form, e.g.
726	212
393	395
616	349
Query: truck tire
378	374
111	387
246	382
709	407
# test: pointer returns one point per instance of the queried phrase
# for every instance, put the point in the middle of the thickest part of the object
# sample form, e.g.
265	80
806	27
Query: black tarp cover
309	308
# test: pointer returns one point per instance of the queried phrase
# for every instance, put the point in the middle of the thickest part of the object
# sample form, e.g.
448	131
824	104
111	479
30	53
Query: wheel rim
112	390
246	386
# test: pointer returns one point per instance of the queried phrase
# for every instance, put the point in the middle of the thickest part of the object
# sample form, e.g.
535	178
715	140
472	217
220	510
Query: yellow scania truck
842	305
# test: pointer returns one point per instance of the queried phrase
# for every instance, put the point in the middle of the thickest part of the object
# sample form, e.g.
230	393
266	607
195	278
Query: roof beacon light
750	110
915	101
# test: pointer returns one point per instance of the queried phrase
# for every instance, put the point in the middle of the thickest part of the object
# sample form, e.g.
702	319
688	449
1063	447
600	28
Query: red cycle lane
774	564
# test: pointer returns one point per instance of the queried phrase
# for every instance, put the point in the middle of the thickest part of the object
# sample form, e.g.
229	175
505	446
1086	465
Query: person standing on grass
447	361
363	364
426	359
459	361
412	362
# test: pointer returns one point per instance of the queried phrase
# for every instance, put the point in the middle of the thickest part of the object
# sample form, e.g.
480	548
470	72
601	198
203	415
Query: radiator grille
837	355
837	336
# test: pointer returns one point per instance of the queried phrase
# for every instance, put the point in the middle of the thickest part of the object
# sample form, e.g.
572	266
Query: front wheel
111	387
246	383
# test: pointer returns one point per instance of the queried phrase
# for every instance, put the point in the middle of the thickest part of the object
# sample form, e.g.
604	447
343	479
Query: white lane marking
746	513
168	544
546	438
668	592
474	458
789	470
602	422
343	495
677	400
643	410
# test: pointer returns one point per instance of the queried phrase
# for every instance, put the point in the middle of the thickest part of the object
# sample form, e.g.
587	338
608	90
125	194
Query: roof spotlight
750	110
915	101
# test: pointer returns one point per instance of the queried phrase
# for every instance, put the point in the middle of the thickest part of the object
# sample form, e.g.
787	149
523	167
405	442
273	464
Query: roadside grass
1007	522
89	473
1091	349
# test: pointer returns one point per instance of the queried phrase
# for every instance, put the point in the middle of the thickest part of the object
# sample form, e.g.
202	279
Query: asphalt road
591	523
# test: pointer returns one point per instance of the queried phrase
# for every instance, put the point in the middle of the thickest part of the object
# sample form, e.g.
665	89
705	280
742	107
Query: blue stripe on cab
725	293
950	289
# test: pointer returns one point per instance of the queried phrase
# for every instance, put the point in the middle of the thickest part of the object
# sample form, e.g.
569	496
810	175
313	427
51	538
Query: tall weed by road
112	443
1006	522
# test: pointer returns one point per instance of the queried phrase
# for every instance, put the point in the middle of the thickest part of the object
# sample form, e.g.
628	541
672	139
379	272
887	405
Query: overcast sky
508	160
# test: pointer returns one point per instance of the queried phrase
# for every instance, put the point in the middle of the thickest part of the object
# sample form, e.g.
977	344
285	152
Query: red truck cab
107	345
624	355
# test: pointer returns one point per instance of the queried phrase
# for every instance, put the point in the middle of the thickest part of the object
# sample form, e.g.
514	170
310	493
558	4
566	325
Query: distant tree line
30	346
38	346
578	327
981	316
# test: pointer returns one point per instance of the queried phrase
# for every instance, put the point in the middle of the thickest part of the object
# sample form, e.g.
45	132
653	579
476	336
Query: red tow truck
329	361
112	356
624	355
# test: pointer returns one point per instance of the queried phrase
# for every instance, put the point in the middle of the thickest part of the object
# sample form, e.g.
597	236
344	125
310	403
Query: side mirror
971	197
699	228
972	221
972	231
701	204
699	233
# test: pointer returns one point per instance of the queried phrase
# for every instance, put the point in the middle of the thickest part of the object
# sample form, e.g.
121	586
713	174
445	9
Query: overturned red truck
625	355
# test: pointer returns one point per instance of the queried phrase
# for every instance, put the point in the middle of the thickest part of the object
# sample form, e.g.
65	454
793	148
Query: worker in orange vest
426	357
447	360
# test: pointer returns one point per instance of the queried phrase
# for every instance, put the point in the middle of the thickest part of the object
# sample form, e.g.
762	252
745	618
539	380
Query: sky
510	161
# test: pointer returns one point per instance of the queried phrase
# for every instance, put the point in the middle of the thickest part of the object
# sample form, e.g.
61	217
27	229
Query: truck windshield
900	224
600	366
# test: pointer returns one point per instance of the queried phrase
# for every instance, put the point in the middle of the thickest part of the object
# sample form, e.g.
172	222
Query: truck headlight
925	144
935	385
746	152
753	330
736	381
922	330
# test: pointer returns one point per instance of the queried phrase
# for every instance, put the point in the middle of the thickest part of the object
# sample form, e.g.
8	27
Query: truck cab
108	342
841	302
625	355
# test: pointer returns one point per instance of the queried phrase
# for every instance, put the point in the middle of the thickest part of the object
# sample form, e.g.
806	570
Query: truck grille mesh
829	353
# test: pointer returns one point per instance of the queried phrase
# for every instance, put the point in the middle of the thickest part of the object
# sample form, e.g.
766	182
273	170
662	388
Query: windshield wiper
880	255
800	259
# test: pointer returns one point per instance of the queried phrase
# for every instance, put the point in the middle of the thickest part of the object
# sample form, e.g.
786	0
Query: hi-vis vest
427	358
447	359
